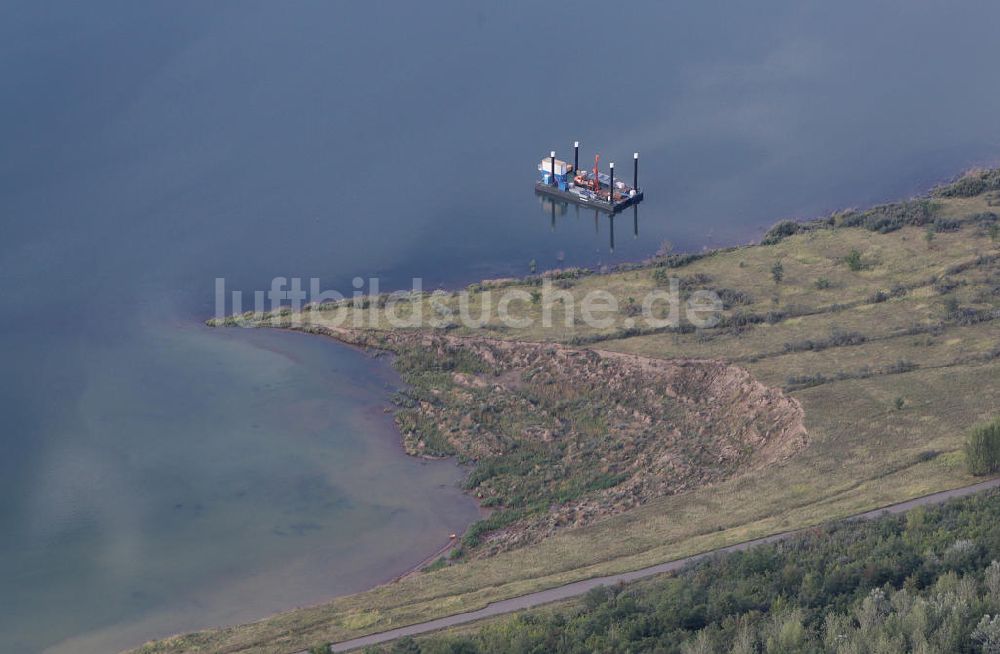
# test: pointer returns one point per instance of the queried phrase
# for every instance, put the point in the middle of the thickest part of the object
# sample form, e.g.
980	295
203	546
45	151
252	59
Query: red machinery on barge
590	188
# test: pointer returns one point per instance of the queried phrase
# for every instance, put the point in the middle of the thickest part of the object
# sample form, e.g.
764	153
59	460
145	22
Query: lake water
157	476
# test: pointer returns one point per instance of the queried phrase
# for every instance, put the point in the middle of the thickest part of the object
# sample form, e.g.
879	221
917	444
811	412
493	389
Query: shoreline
805	223
816	225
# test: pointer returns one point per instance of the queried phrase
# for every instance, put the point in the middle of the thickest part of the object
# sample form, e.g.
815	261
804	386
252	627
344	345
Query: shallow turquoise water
211	477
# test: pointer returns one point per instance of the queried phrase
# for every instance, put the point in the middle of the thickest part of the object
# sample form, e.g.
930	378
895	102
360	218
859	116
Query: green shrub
901	366
890	217
971	185
878	297
631	307
982	449
946	225
732	297
780	231
678	260
777	271
853	260
693	282
837	338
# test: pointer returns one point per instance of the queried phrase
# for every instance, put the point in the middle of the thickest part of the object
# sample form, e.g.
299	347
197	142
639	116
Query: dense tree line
924	582
982	449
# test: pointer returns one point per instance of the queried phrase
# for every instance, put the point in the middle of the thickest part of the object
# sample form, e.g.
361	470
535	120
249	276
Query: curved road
581	587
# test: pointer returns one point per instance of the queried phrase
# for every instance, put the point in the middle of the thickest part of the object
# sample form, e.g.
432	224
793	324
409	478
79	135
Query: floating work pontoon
590	188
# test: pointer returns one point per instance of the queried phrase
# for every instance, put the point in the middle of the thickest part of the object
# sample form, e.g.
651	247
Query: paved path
581	587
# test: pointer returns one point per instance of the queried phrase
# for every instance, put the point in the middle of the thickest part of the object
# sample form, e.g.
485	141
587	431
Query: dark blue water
157	476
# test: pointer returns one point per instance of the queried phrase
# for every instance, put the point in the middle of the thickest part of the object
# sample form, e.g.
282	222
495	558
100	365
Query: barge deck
602	205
